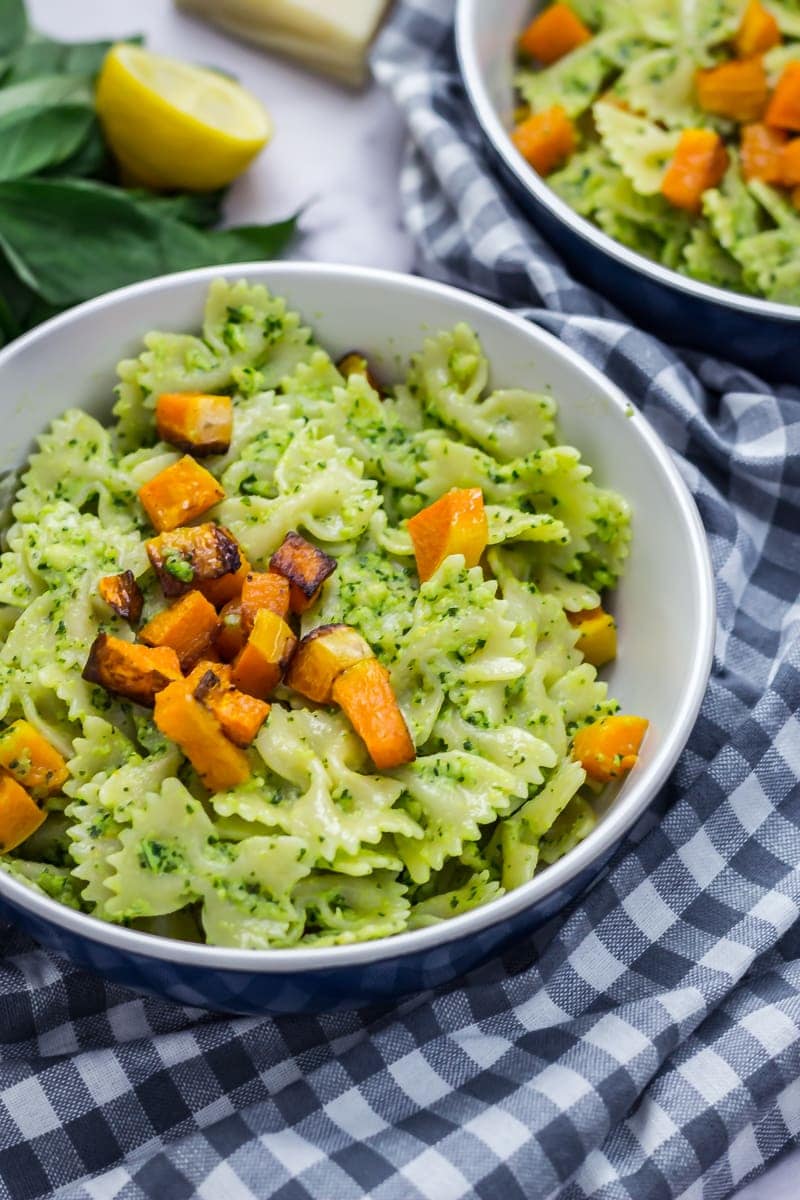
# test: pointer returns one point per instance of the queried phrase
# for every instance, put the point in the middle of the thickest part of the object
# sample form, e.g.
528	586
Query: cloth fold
646	1046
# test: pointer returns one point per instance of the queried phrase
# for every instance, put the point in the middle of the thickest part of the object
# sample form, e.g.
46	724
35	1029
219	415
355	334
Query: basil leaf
13	25
51	89
91	159
34	138
44	56
194	208
69	240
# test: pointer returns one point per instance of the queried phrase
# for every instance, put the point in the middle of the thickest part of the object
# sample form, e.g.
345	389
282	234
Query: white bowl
664	604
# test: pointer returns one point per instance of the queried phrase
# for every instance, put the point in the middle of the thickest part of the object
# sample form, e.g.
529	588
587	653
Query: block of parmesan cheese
332	36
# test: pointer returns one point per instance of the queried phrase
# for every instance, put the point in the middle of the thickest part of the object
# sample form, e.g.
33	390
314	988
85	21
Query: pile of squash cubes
209	663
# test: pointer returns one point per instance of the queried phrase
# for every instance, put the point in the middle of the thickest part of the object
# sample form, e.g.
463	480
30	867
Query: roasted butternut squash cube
195	422
760	152
454	524
20	815
131	670
241	716
321	657
545	139
790	163
188	627
609	747
264	589
260	666
179	494
228	587
230	637
364	692
758	31
186	558
783	111
554	33
123	594
735	89
32	760
355	363
699	162
597	635
188	723
305	566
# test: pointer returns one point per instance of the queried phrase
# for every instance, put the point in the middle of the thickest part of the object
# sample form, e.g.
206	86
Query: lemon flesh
172	125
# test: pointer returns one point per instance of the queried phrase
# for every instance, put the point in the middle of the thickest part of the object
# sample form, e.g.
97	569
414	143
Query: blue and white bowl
757	333
664	608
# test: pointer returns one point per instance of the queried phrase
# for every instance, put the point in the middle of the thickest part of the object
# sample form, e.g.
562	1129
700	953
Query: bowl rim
638	793
498	138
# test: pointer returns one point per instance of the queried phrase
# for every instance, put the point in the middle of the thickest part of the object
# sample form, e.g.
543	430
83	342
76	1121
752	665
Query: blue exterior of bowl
350	986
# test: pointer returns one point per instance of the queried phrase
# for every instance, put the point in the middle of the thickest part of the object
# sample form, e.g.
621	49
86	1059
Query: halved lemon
173	125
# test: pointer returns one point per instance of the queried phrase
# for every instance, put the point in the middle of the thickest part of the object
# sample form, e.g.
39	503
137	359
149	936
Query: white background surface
335	155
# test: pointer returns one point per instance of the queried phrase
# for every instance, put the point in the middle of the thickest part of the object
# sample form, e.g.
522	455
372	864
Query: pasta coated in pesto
645	83
317	847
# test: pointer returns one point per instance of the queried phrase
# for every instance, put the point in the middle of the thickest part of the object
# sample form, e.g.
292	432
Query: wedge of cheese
332	36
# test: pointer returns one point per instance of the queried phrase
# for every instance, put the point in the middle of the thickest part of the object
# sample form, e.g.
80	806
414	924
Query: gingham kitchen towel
651	1048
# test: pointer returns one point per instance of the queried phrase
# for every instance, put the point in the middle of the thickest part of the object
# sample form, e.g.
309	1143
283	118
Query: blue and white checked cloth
652	1048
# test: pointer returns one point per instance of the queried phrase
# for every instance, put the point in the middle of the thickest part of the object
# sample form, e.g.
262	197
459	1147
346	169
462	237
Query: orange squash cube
305	566
554	33
546	139
356	363
20	815
193	557
790	163
760	152
609	747
194	422
364	692
123	595
735	89
179	494
783	110
264	589
240	716
454	524
188	723
230	637
31	760
131	670
188	627
226	587
321	657
597	635
699	163
758	31
260	666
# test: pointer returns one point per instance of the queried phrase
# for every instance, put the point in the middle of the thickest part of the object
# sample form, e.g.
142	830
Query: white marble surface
335	155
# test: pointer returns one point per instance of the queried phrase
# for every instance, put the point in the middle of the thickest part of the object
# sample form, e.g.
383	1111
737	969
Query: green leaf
194	208
32	139
253	241
69	240
46	57
91	158
13	25
50	90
